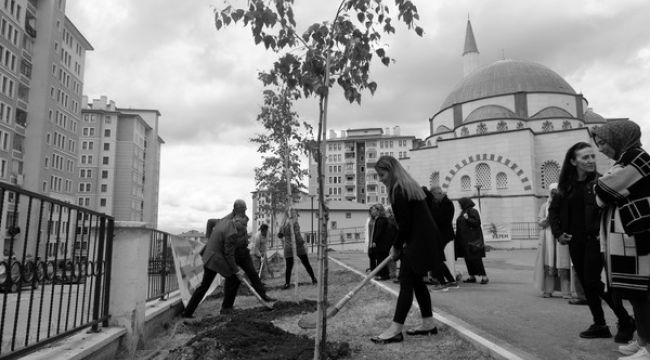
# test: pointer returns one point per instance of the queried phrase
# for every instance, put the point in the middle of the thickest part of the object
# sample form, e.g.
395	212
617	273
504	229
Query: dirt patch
252	332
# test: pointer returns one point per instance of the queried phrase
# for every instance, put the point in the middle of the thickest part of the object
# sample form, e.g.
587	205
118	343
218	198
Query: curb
498	351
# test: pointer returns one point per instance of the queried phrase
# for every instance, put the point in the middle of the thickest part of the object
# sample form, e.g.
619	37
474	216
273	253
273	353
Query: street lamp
478	190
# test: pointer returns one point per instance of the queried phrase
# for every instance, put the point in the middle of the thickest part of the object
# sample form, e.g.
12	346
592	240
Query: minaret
470	52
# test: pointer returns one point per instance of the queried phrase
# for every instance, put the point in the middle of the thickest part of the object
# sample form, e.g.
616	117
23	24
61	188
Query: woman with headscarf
552	257
469	241
624	193
575	220
414	246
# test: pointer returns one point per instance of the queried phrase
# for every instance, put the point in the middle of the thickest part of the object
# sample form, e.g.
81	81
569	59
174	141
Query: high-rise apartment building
350	159
42	57
119	161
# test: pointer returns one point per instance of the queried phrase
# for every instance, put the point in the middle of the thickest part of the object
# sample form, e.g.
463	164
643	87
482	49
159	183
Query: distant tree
339	52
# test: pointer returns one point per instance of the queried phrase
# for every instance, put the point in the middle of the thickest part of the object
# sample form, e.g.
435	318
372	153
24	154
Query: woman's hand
564	238
394	253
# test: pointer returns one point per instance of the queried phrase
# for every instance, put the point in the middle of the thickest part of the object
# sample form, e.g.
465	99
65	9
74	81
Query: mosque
500	137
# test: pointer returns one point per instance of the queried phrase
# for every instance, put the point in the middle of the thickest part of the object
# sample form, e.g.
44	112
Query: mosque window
550	173
434	179
547	126
483	176
566	125
502	181
502	126
464	131
481	128
465	183
520	125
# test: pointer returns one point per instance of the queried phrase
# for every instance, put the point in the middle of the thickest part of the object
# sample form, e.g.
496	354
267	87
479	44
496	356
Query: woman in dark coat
469	241
414	246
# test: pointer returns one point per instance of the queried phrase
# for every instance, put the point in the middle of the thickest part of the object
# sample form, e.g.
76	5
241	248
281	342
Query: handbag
475	246
635	215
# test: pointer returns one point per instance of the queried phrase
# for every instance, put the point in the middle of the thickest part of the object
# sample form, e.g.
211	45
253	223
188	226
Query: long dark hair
569	173
399	177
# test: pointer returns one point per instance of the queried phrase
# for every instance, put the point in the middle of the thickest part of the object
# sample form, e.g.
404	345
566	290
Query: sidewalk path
509	312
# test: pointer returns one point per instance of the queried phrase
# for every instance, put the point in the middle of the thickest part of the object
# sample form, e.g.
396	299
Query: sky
167	55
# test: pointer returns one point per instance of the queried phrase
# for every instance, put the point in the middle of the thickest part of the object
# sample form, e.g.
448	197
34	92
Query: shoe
470	280
226	311
625	331
546	295
630	348
439	288
314	282
286	286
485	281
576	301
452	285
268	298
433	331
596	331
397	338
396	280
642	354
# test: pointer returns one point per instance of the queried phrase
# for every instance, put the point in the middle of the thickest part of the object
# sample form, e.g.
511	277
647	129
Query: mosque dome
592	117
507	77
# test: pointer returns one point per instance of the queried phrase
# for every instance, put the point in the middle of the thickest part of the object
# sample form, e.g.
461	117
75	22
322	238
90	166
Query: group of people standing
602	222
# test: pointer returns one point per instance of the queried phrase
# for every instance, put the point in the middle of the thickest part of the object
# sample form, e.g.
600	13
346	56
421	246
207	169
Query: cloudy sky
167	55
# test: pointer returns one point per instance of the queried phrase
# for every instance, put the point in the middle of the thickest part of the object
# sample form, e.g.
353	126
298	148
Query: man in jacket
226	253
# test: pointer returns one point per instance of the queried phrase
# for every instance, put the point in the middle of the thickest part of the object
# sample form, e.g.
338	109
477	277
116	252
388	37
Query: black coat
468	230
443	215
416	233
383	235
559	212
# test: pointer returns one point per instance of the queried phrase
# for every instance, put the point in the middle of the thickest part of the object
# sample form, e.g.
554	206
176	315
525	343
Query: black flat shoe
470	280
395	339
433	331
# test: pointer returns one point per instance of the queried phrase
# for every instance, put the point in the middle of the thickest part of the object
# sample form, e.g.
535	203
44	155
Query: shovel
309	321
252	289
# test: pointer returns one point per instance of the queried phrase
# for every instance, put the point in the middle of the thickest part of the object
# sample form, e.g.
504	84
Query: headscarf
465	203
621	135
551	187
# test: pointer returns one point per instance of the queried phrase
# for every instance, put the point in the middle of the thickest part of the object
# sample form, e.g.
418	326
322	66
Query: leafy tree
339	52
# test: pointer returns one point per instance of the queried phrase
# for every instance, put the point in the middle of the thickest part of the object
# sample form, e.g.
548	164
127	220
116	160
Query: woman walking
469	241
552	257
414	247
625	235
575	220
285	233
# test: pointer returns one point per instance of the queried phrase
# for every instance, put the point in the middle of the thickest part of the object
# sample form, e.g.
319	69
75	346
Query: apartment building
350	159
119	161
42	57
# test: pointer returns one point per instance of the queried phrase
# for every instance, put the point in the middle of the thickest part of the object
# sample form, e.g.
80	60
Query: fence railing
162	273
55	275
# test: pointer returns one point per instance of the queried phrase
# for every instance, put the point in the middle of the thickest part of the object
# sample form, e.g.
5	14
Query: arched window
483	176
434	179
502	181
550	173
465	183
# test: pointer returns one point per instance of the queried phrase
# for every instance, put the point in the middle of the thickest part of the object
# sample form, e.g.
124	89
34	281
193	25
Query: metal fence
524	230
335	237
55	273
162	273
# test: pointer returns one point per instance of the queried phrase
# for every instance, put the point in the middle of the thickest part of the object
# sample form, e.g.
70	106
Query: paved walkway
509	312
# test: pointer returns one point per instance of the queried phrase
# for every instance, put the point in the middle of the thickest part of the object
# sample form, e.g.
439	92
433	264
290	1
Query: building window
550	173
483	176
104	174
348	215
104	188
502	181
107	133
465	183
102	202
547	126
333	224
105	160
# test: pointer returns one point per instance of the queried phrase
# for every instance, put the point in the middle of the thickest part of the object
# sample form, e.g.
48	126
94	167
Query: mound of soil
249	334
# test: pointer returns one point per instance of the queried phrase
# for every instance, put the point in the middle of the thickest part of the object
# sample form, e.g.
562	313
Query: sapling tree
338	51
